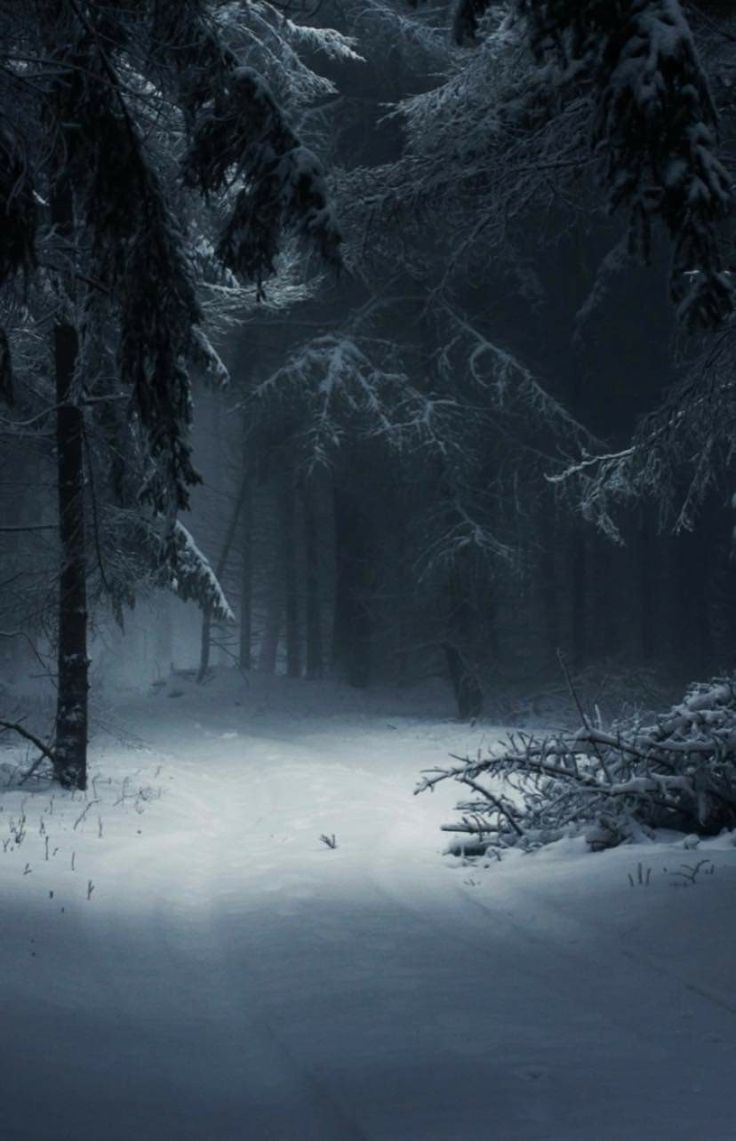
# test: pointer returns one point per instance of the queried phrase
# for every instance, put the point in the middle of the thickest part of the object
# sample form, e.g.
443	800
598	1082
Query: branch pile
611	786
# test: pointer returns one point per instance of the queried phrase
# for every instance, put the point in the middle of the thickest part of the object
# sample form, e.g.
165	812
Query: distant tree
454	437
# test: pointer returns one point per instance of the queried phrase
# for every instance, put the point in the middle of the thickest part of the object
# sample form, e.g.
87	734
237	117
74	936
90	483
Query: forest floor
183	957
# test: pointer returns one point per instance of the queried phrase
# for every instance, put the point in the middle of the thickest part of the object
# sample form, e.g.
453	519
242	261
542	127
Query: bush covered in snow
612	785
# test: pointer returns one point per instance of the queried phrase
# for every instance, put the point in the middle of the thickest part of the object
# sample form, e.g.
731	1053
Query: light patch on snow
191	960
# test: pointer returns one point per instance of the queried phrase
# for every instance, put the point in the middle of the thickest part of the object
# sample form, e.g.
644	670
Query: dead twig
47	753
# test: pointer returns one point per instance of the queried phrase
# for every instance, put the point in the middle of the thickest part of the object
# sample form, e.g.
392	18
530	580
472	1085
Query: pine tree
94	221
554	89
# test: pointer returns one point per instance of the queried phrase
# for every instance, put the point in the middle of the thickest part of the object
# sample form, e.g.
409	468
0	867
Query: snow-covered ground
183	957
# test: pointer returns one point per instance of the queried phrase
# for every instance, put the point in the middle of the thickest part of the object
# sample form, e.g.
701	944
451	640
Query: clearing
183	956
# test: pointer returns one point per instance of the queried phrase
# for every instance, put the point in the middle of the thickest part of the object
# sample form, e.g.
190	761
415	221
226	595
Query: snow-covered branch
609	785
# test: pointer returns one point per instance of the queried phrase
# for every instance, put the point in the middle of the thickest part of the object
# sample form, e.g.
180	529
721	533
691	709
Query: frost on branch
654	128
240	135
209	360
188	571
136	254
610	785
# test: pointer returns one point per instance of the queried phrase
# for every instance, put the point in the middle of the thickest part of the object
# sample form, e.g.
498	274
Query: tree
96	221
552	100
453	438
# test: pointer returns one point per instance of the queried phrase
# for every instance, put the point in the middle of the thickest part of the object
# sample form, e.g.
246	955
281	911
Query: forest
367	404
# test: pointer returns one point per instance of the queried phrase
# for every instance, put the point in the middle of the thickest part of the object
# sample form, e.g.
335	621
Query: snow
211	970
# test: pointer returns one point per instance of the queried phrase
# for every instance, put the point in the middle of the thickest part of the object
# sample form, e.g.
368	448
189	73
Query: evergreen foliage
654	123
191	576
106	65
616	87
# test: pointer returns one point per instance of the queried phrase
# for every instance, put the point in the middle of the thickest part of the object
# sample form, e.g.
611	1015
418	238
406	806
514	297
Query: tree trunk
289	555
205	645
268	652
352	630
245	649
164	627
313	608
459	653
644	557
465	685
404	590
579	579
70	748
206	640
690	619
548	583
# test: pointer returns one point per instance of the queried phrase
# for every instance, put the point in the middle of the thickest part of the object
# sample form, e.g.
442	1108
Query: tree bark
289	555
313	609
164	628
245	649
352	628
548	583
268	652
579	580
459	648
70	749
206	640
205	646
645	555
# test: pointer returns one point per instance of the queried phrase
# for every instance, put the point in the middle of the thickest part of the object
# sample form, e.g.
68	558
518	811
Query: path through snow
233	979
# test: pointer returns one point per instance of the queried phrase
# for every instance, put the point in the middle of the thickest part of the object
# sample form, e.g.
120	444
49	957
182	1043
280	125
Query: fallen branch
678	773
46	753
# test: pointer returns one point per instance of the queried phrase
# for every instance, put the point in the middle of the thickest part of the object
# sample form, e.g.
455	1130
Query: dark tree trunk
645	554
270	638
164	645
289	557
245	649
207	617
205	646
459	648
690	619
465	685
268	652
403	596
579	286
548	584
70	748
313	615
579	600
352	629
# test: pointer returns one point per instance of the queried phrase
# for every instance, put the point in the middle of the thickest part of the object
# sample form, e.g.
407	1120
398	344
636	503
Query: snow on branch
654	130
678	453
501	374
336	387
240	134
331	43
191	576
609	785
207	357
